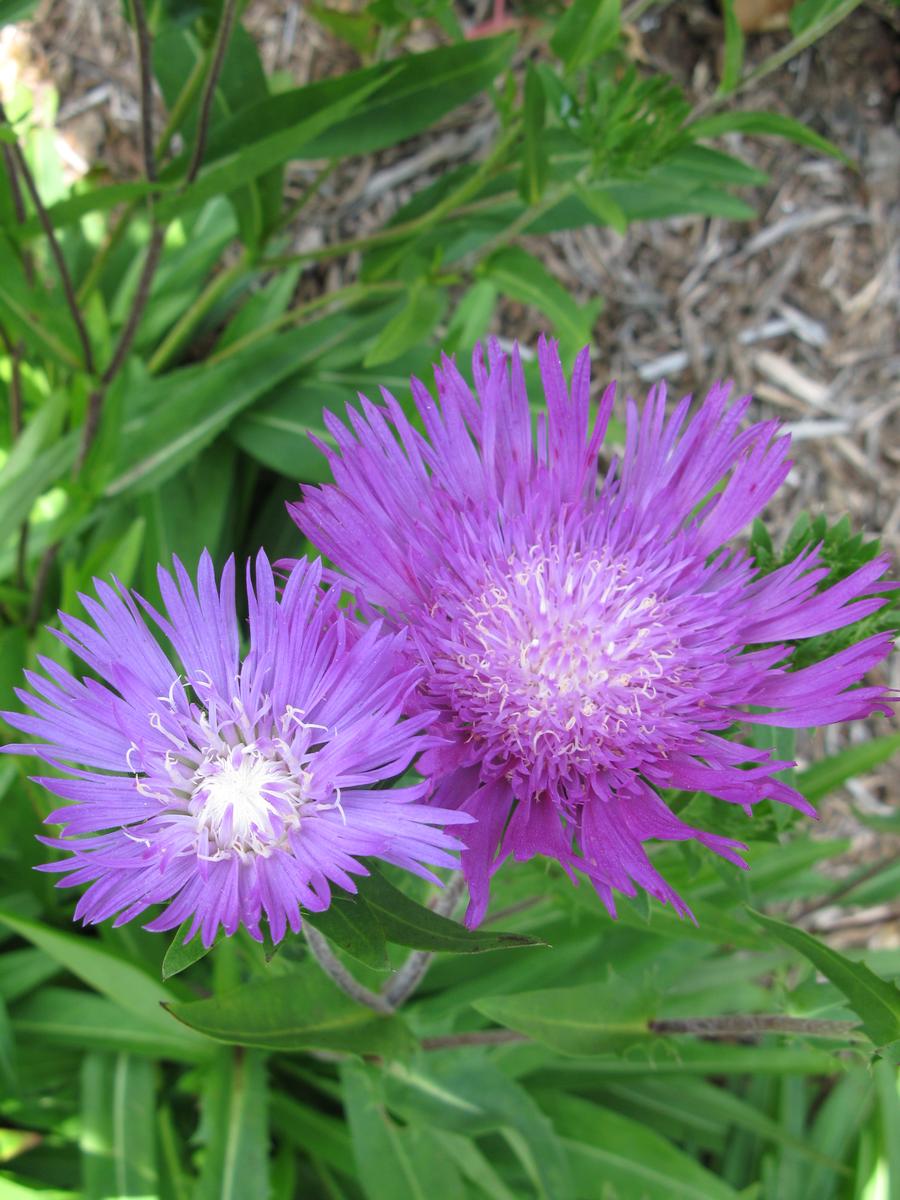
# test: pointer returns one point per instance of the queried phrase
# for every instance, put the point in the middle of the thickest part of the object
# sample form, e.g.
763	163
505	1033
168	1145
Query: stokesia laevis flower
589	638
229	788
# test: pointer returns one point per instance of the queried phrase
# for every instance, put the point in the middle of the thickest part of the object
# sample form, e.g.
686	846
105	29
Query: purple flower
229	787
589	638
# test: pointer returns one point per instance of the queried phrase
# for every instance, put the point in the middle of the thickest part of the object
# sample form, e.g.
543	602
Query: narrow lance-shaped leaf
234	1129
118	1098
534	160
81	1020
734	49
875	1001
126	984
300	1011
393	1162
589	1019
410	924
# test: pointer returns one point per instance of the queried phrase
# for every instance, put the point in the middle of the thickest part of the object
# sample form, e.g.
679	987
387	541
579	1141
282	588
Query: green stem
297	207
455	201
192	316
114	237
781	56
343	297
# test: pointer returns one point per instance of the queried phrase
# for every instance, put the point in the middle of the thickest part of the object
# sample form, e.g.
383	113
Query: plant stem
220	48
414	970
338	973
189	319
780	56
846	887
342	297
455	201
736	1026
741	1025
146	73
123	345
22	169
308	193
40	586
479	1037
114	237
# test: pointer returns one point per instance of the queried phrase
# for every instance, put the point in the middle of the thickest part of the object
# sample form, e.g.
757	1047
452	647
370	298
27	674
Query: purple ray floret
588	636
229	789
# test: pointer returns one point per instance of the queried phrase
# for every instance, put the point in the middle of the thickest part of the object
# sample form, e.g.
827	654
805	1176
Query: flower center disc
561	660
245	801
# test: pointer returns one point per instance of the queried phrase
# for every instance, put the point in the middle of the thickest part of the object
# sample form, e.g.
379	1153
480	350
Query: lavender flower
229	788
588	640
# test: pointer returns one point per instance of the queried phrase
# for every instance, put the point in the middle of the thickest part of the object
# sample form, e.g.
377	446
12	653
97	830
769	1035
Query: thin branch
741	1025
480	1037
736	1026
40	585
19	206
120	354
414	970
15	350
145	61
848	886
338	973
779	57
24	170
220	48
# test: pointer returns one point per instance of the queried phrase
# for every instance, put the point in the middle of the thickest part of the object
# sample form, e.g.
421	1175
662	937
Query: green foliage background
161	380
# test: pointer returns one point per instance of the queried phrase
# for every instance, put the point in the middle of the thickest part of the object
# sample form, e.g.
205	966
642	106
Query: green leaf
181	412
19	493
350	923
81	1020
122	982
610	1151
589	1019
828	774
733	59
765	124
16	1189
470	321
475	1165
234	1129
8	1081
412	93
305	1126
181	954
24	970
91	199
393	1163
118	1153
414	323
875	1001
177	53
26	310
526	279
464	1091
602	205
586	29
295	1012
534	158
888	1097
808	13
410	924
357	29
247	162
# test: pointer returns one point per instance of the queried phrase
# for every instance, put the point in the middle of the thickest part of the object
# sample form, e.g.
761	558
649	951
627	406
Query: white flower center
247	802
